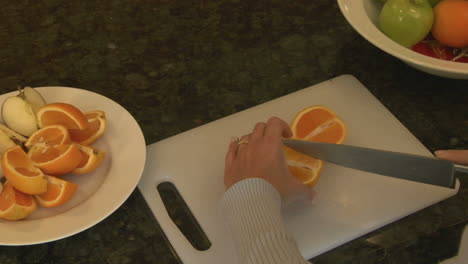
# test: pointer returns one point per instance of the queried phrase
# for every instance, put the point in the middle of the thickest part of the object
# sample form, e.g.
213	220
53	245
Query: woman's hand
260	155
457	156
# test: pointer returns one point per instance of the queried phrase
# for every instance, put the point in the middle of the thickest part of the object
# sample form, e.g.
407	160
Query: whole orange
451	23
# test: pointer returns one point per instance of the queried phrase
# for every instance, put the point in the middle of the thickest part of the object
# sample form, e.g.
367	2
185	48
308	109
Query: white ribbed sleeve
253	211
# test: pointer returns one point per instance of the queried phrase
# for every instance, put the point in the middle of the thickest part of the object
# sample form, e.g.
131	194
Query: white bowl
363	17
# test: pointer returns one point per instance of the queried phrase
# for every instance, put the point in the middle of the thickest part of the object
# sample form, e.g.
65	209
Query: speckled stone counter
176	65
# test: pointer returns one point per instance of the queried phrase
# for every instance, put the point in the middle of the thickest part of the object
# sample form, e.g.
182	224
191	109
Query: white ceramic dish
100	192
363	17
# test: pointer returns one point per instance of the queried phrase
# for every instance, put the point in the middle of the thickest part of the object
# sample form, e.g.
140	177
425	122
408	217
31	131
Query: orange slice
55	159
318	123
50	135
92	158
21	172
15	205
97	124
63	114
58	192
303	167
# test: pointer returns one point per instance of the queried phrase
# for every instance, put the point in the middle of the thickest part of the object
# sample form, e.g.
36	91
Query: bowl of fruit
429	35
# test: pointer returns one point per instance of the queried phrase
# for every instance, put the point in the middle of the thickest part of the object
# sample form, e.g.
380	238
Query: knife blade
395	164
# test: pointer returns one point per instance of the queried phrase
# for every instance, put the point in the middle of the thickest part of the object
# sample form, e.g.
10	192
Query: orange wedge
58	192
97	124
15	205
21	172
92	158
303	167
318	123
55	159
50	135
63	114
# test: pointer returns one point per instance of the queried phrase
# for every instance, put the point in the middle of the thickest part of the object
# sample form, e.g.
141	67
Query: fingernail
234	139
440	153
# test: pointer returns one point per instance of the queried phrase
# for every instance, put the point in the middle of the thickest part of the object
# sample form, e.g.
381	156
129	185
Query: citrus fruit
21	172
58	192
55	159
315	123
451	23
303	167
97	124
318	123
91	159
15	205
50	135
61	114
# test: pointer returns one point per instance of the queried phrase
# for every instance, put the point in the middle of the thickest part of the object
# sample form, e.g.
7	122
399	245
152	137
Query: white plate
100	192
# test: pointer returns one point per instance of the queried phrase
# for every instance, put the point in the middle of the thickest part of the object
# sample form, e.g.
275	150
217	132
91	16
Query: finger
231	154
287	133
277	128
457	156
258	131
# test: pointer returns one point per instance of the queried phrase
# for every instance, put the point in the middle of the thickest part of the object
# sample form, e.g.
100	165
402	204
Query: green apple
407	22
17	138
432	2
6	142
19	116
19	112
33	97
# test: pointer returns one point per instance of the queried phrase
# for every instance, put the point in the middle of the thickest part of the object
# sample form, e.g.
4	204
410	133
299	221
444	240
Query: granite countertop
176	65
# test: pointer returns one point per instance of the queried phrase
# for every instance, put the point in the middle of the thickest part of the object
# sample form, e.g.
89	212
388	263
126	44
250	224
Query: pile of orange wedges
315	123
61	145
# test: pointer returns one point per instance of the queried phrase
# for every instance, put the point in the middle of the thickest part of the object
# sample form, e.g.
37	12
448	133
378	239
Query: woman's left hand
260	154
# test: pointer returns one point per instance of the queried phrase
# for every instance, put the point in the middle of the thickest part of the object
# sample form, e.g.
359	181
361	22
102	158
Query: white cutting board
348	204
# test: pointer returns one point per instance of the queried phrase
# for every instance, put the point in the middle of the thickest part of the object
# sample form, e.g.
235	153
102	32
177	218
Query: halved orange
58	192
55	159
50	135
15	205
91	159
315	123
303	167
97	124
21	172
63	114
318	123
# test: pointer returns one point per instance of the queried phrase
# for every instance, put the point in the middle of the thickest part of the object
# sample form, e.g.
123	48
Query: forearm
253	211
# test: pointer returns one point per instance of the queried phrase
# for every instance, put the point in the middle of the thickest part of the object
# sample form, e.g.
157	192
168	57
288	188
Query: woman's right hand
457	156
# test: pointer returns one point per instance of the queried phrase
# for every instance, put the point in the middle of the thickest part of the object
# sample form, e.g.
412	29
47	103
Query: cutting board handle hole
182	217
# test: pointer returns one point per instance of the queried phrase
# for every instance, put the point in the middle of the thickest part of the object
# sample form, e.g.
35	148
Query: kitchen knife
399	165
